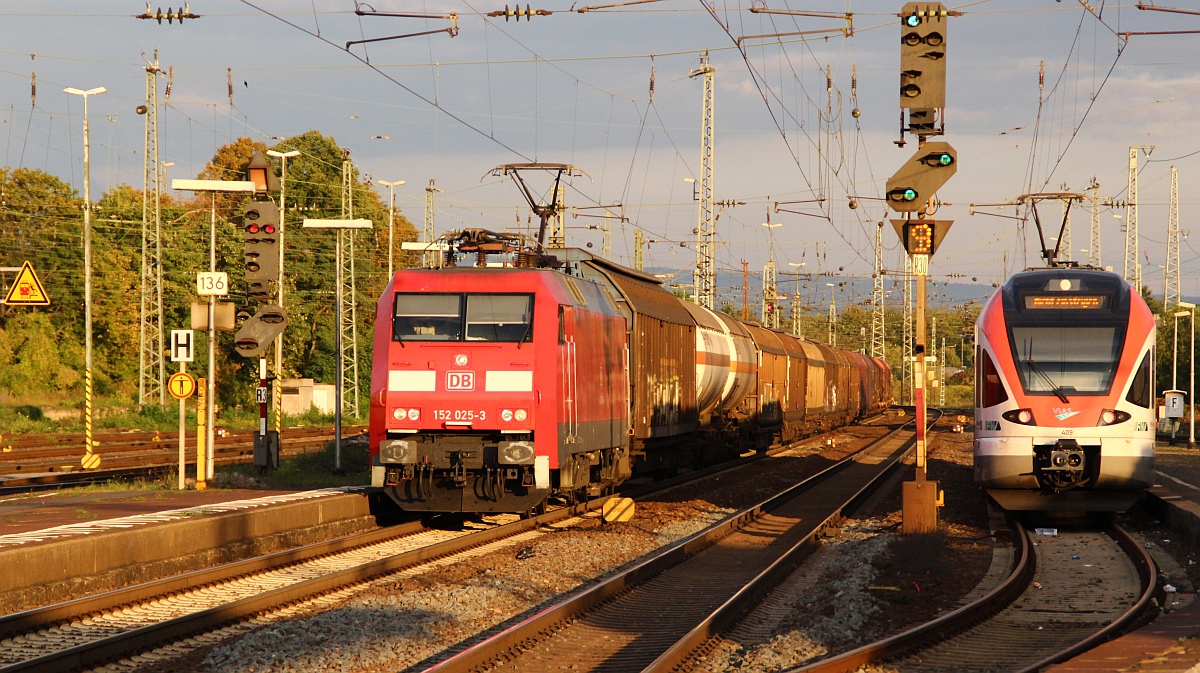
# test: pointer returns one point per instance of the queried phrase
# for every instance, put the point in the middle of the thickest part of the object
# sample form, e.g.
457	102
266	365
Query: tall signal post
347	315
1132	271
705	279
910	192
151	366
1171	294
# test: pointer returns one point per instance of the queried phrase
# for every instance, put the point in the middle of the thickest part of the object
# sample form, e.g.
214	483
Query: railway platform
56	546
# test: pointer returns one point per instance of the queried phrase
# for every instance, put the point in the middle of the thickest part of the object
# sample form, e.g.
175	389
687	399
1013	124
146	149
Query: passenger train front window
458	317
1065	360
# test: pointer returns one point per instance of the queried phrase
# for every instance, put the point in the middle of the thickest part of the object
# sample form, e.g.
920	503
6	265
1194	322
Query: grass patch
113	413
307	471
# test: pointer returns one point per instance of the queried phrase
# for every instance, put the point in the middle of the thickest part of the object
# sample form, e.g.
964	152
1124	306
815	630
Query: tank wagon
497	385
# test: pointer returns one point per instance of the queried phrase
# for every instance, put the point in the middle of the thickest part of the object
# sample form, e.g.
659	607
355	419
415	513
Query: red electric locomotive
497	385
483	384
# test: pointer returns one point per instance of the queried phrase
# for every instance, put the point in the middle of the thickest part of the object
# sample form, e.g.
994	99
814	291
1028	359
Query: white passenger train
1064	392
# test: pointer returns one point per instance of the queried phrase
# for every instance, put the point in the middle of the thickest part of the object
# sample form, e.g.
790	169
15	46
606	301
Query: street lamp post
88	446
832	317
1175	360
391	216
1190	309
283	157
212	187
337	412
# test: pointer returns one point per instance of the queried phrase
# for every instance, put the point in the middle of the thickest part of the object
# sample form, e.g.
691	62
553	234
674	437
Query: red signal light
253	229
269	229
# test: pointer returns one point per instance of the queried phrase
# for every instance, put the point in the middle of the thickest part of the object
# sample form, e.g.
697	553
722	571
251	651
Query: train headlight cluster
510	415
1021	416
400	414
1112	417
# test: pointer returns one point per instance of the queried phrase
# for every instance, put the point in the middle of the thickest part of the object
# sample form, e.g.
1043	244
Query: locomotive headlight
520	415
399	414
1022	416
506	415
1112	417
414	414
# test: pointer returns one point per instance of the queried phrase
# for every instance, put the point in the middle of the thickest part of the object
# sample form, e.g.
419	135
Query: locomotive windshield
1067	329
459	317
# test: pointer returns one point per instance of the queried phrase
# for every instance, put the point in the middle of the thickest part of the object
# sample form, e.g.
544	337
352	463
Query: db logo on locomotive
460	380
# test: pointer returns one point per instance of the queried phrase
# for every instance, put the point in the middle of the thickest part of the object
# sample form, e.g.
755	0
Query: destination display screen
1066	301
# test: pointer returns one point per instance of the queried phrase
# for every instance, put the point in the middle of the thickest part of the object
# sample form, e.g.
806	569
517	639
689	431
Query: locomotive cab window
499	317
427	317
457	317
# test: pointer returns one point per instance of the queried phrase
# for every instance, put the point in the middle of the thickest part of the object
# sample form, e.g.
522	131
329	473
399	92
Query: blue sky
574	87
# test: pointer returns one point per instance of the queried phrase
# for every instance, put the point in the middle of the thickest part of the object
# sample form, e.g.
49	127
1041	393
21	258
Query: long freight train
497	385
1064	392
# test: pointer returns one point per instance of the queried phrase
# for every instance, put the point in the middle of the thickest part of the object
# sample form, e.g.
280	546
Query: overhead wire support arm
1174	10
452	30
776	206
760	7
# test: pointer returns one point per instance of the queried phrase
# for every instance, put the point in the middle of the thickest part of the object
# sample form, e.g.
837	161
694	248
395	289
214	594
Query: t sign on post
182	385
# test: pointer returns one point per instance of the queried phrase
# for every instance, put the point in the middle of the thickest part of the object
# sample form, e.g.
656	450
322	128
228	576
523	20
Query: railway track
27	463
653	615
92	630
1063	597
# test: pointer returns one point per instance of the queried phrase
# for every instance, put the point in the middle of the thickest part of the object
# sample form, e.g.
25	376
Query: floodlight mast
544	211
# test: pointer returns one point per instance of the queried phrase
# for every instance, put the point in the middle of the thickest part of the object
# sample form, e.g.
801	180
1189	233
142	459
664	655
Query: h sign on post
182	345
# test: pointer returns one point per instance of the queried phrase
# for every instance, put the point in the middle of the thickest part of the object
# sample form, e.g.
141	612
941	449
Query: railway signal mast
262	229
910	192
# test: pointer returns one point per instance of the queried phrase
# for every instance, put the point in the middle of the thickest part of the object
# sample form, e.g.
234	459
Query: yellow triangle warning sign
27	290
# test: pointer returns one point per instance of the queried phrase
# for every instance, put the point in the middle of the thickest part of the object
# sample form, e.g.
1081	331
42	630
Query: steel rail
494	647
1147	570
946	626
751	594
123	644
950	625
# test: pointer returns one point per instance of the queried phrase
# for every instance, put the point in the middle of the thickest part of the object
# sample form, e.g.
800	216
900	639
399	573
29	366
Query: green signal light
945	159
910	194
912	21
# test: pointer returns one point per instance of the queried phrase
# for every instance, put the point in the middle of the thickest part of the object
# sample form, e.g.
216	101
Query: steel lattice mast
1094	243
151	366
907	364
1064	244
558	229
1171	294
347	320
877	316
770	307
431	256
1132	271
705	277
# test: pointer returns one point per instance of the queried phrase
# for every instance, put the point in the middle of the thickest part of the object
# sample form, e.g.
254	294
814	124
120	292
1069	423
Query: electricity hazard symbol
27	290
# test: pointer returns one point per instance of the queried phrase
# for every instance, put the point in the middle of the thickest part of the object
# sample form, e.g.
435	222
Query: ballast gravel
408	617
